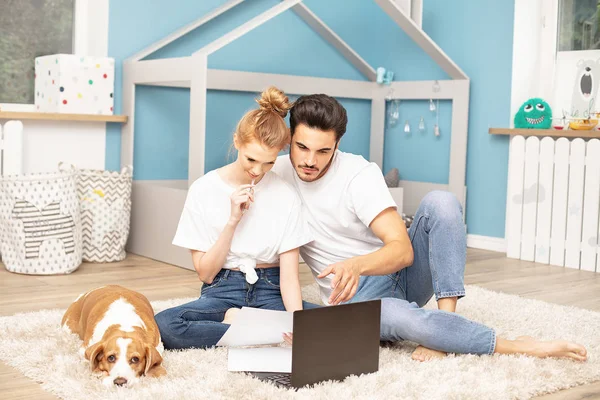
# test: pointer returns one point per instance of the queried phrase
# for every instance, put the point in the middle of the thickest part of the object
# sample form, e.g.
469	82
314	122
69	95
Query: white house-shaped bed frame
157	204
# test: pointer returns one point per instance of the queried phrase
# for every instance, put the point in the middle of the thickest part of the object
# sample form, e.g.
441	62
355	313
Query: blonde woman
243	225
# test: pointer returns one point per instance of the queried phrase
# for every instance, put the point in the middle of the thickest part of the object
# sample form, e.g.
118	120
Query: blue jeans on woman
439	243
199	322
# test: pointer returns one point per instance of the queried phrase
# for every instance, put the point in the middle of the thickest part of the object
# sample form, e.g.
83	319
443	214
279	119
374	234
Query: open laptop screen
335	342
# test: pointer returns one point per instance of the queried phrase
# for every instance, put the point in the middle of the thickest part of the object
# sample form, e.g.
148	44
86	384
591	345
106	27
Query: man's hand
345	282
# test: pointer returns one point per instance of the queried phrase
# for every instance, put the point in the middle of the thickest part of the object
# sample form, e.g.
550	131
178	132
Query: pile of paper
257	327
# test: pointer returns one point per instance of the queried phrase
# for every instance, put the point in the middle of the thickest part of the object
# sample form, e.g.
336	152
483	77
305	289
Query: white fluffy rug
34	344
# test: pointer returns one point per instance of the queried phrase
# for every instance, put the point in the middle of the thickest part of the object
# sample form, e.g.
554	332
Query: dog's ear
154	360
94	354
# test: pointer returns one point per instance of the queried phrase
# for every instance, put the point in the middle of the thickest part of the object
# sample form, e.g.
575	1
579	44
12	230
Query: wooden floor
159	281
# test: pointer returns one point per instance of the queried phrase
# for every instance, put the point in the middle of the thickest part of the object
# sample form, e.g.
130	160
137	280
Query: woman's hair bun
273	99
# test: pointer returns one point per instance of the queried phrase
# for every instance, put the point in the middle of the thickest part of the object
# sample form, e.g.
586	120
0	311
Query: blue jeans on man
439	239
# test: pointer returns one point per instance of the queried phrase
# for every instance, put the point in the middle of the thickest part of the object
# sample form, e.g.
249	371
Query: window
578	25
28	29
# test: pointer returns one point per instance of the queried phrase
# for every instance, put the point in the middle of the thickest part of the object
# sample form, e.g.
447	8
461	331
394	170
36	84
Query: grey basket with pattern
40	229
105	198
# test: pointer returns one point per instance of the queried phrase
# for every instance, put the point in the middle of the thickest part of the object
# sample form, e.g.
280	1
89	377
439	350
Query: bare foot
230	315
553	348
424	354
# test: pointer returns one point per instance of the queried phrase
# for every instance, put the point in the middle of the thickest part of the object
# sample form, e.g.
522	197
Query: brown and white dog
120	336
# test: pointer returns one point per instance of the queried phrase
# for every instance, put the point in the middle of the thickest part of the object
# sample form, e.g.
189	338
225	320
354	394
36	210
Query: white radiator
11	148
553	201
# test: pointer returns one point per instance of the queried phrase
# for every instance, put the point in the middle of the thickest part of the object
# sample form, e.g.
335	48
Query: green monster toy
534	114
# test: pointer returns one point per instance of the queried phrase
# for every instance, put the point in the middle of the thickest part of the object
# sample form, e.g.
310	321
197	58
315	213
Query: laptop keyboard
281	379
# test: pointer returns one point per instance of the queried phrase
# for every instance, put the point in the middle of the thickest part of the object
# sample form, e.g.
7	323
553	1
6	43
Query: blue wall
287	45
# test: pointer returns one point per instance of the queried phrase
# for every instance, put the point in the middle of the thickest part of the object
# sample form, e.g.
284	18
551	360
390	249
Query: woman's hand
240	202
288	338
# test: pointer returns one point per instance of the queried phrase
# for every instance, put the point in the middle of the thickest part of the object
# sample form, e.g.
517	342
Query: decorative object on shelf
585	88
583	124
422	125
560	123
535	113
436	109
380	75
67	83
390	95
384	76
392	178
406	127
393	109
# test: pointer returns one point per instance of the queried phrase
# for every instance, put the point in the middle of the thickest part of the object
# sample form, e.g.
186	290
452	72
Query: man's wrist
357	266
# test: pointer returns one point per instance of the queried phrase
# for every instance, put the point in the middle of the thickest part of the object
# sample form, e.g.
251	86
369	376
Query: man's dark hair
319	111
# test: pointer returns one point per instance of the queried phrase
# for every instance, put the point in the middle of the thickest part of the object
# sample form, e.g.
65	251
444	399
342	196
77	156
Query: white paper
253	327
262	359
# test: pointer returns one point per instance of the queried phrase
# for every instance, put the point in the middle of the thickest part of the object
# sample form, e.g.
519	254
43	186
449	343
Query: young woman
243	225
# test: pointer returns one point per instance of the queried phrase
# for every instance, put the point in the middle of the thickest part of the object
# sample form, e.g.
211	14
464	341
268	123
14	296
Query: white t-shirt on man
274	223
339	206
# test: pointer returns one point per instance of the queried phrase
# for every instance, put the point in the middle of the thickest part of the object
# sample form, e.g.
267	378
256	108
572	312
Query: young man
362	250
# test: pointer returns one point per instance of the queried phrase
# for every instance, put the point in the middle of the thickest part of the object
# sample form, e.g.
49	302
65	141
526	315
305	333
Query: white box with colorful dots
72	84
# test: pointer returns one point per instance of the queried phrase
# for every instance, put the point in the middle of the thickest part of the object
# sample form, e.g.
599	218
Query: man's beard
297	167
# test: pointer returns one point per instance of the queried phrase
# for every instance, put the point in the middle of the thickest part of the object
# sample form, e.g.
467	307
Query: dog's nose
120	381
588	69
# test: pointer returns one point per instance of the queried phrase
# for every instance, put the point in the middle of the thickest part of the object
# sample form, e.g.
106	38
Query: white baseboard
487	243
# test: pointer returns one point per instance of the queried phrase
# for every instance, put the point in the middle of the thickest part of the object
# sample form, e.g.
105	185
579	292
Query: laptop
332	343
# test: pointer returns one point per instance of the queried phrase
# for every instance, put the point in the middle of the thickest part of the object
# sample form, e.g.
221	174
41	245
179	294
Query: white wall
534	44
80	143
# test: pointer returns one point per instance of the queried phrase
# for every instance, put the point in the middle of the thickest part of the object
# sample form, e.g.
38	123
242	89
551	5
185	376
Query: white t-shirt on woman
274	223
